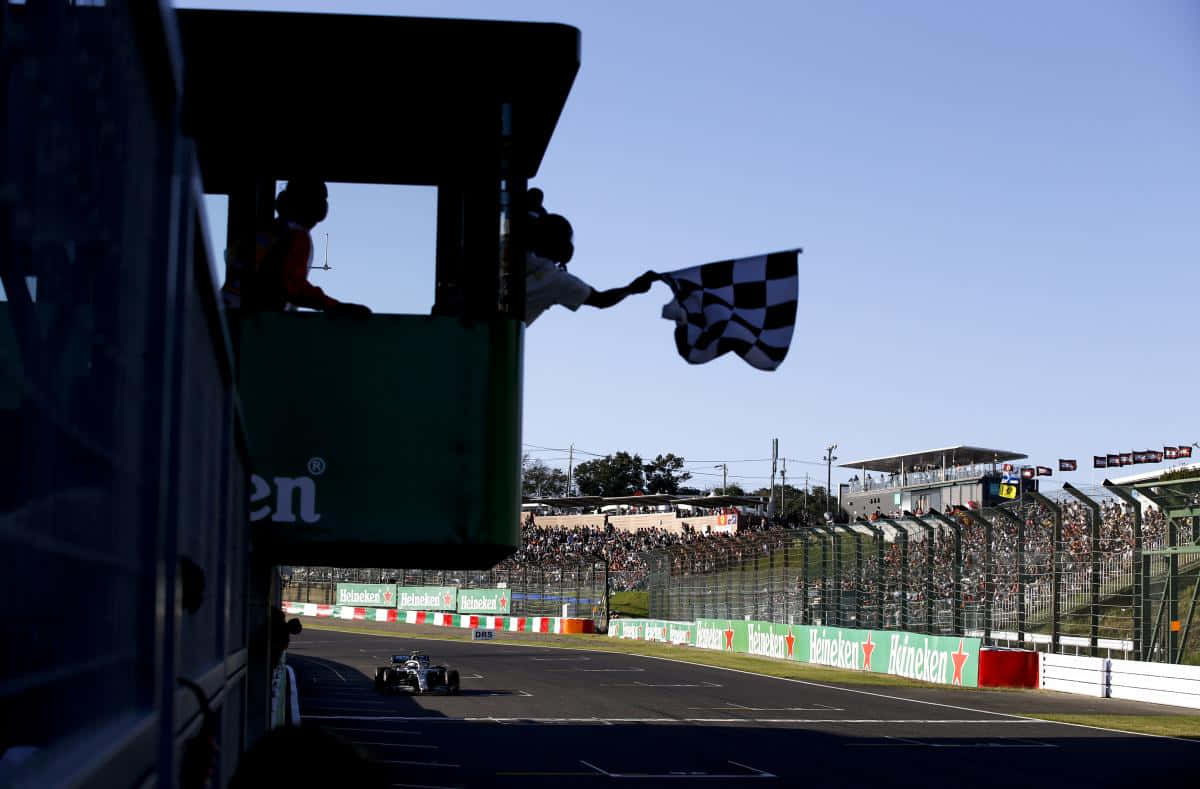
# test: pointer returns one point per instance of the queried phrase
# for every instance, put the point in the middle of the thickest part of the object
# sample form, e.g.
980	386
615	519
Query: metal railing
1059	574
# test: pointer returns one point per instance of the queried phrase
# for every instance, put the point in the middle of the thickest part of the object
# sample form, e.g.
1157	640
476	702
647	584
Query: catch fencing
1063	573
534	591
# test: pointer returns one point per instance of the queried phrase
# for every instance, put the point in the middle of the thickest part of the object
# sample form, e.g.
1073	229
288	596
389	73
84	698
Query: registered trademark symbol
316	466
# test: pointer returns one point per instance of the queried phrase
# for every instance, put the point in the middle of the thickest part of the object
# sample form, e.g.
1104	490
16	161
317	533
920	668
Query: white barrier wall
1135	680
1072	674
1160	683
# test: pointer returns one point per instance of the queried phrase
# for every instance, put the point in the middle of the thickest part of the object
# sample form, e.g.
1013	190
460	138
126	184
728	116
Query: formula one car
415	673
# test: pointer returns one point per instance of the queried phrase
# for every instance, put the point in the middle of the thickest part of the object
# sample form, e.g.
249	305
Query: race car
415	673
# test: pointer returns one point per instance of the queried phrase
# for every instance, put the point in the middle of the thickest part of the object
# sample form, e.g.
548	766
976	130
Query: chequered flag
747	306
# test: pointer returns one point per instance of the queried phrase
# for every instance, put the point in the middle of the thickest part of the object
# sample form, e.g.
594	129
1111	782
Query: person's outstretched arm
602	299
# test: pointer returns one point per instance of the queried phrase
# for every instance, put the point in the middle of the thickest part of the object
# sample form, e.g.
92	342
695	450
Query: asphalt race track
535	716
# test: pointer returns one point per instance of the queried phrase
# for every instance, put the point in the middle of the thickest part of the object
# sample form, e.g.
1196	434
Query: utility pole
724	477
570	467
774	468
829	458
783	489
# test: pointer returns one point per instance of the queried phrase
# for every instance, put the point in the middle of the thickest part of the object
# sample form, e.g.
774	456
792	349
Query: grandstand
1103	570
922	481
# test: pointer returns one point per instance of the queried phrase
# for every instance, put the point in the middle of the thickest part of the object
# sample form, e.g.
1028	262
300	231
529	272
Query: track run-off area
532	715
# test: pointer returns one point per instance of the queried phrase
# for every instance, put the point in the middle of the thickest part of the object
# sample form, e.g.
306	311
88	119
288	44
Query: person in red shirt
271	275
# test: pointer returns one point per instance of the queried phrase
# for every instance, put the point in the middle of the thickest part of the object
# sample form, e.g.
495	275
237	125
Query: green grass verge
631	604
597	643
1186	726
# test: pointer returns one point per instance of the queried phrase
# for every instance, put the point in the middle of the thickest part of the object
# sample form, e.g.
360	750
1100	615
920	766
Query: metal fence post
989	576
1019	523
1138	581
902	536
859	580
771	584
1094	564
1056	568
928	576
805	614
787	584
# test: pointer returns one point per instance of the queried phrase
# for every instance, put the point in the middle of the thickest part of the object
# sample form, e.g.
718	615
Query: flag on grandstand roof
1171	453
1139	457
1099	461
1044	471
1125	458
1028	472
1114	461
1156	457
747	306
1069	465
1185	452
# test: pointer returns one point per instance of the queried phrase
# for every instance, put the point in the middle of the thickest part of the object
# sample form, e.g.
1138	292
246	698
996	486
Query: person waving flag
747	306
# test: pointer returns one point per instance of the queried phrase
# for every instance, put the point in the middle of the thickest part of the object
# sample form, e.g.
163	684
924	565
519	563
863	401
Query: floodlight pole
724	478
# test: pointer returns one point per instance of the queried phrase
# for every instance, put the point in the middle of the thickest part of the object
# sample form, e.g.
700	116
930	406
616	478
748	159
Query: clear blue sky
997	202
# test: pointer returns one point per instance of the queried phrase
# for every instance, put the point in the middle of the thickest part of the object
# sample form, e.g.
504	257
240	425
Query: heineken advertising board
349	422
374	595
484	601
426	598
949	660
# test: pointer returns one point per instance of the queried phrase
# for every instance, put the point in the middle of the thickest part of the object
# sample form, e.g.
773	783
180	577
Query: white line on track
376	731
415	764
331	668
856	721
687	774
425	786
599	670
640	684
397	745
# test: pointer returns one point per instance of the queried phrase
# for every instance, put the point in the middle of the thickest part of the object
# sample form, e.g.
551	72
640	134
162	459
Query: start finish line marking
752	772
803	721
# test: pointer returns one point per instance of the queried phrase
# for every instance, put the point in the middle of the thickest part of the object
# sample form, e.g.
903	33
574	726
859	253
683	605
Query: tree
540	481
612	475
733	490
665	474
793	509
